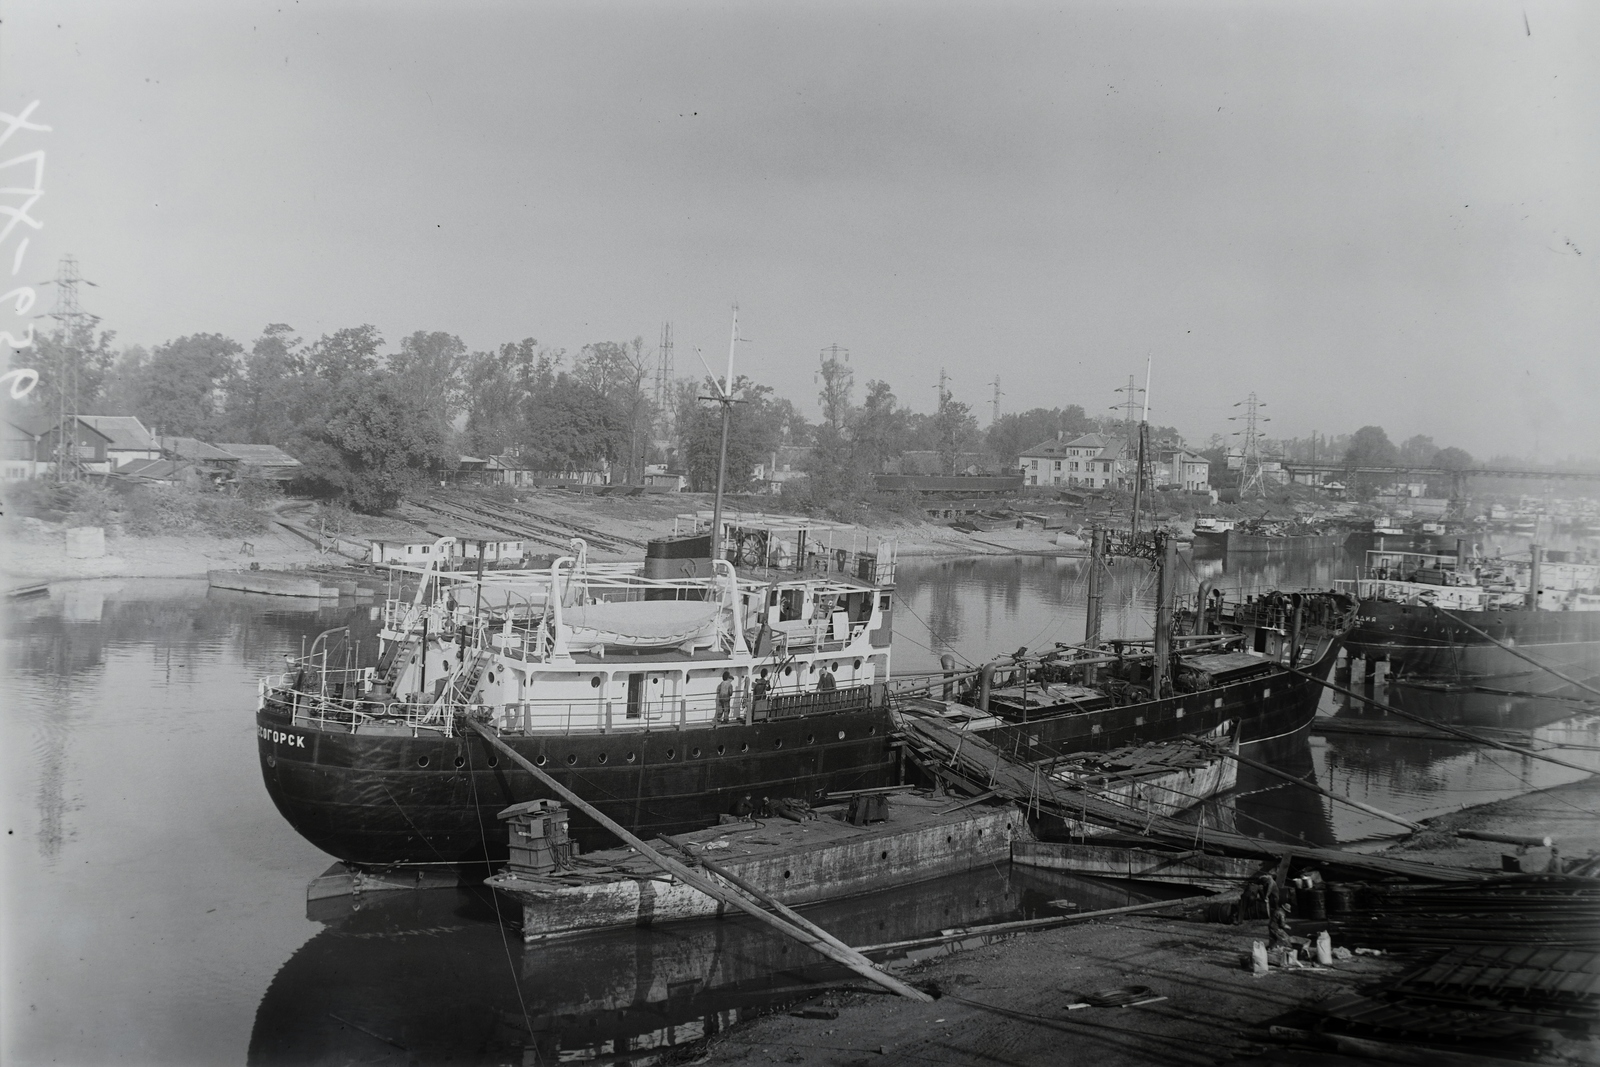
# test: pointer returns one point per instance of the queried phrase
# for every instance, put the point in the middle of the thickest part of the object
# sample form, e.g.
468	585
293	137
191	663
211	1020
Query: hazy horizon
1366	213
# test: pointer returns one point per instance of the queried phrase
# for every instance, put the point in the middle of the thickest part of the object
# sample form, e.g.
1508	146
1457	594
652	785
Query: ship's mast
724	398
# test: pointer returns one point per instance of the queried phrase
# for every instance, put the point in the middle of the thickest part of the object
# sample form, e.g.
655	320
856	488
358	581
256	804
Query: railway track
544	523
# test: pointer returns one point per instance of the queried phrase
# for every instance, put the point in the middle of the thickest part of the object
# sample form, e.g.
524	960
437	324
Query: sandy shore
1006	1003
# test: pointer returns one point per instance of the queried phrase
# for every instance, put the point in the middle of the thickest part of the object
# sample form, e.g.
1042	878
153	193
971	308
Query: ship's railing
608	716
1462	597
321	711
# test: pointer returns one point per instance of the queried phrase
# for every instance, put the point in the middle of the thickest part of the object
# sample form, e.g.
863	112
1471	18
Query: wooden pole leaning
768	899
1517	652
1258	765
831	948
1442	726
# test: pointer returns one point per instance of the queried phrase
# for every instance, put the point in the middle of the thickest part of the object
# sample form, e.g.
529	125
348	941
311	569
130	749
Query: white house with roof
1182	469
1091	460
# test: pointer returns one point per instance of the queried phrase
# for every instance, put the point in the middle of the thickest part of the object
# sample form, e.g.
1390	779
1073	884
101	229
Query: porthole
811	739
858	665
422	761
948	838
670	753
694	753
763	672
744	746
600	758
572	758
632	756
460	761
834	668
813	669
777	742
788	874
789	669
841	735
494	760
883	855
538	761
594	683
873	730
491	676
655	681
272	761
721	749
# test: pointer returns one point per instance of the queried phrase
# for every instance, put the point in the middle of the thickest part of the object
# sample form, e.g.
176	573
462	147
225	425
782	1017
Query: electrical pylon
1250	475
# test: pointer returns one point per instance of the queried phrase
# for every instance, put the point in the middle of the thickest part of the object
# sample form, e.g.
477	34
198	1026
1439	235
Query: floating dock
822	858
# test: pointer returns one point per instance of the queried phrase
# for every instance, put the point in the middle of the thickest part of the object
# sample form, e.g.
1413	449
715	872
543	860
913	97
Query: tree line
371	421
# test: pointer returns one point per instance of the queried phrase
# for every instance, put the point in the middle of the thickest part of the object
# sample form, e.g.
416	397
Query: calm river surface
155	909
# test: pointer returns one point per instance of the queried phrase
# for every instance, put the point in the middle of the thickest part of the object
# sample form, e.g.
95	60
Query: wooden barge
821	858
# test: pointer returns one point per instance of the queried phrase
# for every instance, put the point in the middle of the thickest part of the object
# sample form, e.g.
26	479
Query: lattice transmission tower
1251	478
76	328
663	383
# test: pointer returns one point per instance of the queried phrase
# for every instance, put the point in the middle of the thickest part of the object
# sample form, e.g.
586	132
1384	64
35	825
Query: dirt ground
35	552
1007	1003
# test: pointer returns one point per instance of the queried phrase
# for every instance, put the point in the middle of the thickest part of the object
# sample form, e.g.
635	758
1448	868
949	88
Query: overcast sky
1365	212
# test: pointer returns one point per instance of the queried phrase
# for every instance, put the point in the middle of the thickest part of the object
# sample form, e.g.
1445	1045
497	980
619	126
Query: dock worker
725	698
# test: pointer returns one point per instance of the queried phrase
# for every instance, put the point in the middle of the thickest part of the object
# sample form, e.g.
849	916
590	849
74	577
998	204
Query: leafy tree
1371	447
1418	451
428	369
376	445
955	431
497	388
73	365
752	434
180	389
345	354
881	428
1013	432
1453	459
265	401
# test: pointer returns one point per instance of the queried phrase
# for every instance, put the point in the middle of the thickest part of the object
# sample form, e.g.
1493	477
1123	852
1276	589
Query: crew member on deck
725	698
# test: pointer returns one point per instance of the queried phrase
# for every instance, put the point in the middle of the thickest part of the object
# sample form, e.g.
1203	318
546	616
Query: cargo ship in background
1259	537
1448	620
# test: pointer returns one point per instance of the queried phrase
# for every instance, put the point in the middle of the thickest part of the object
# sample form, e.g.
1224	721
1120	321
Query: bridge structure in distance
1458	476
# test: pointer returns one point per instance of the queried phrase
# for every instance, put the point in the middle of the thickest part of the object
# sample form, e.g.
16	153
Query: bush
174	509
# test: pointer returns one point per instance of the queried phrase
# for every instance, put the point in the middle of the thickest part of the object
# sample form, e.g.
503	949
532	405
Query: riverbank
32	550
1007	1002
36	552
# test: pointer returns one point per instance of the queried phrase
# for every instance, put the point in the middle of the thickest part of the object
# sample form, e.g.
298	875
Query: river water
155	912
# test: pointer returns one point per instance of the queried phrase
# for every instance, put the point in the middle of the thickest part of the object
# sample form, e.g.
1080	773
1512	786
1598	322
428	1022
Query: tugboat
667	693
1442	619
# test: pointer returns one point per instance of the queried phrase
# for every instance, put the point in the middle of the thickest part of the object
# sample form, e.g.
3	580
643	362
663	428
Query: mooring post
1091	633
1166	575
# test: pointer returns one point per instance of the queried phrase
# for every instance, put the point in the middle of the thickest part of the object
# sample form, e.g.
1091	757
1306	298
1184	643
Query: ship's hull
1422	643
1266	707
1235	543
380	800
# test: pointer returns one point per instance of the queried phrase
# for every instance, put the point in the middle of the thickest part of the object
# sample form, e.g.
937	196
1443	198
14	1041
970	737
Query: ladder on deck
465	681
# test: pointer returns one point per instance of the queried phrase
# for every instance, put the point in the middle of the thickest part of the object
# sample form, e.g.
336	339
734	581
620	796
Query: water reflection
425	976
